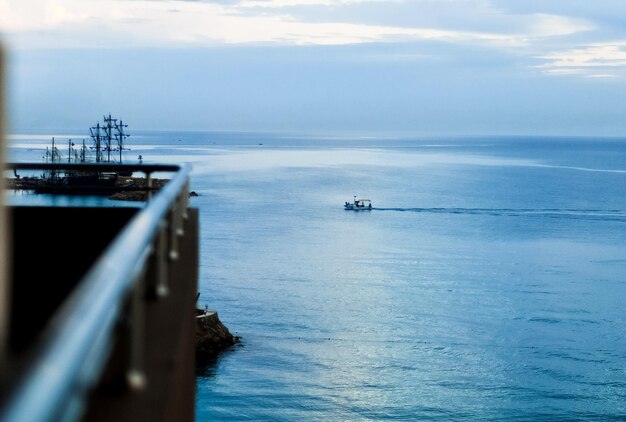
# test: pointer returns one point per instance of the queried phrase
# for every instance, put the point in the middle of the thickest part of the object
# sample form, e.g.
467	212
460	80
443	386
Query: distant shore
120	188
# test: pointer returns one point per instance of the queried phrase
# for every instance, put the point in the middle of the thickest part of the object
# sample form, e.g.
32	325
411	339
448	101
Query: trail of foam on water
596	214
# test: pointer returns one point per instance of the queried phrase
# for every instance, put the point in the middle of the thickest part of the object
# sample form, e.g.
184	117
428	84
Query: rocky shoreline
211	335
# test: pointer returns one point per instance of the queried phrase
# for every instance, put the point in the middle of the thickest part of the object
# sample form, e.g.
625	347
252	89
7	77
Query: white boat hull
358	205
353	208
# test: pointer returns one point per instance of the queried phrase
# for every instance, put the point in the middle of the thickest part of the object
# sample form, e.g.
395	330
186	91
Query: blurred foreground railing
104	316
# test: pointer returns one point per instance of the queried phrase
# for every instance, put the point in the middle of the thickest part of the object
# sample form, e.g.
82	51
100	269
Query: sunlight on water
208	160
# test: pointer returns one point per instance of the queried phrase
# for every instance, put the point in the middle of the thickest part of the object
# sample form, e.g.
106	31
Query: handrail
75	347
104	167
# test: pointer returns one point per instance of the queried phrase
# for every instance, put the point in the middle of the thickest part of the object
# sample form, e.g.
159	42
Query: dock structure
101	321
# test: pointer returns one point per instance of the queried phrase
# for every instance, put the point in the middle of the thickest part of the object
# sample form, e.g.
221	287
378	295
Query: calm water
487	284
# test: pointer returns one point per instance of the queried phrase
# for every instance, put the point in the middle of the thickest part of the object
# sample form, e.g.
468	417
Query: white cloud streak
545	26
281	4
89	23
601	60
171	23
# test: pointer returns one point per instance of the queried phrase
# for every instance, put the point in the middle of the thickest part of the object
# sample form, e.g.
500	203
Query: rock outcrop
211	335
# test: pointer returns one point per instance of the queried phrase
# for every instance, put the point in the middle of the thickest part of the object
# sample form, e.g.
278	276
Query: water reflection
207	366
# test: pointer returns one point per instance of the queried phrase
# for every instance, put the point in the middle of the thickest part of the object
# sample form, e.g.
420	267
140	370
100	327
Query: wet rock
211	335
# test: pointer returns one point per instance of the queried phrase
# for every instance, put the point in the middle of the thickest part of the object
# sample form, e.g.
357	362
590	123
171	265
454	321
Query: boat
84	181
361	204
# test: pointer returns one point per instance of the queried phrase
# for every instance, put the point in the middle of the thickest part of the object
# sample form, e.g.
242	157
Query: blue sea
488	282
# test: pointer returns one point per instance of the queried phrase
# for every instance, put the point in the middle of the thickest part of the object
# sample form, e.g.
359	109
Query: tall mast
52	172
108	131
97	140
120	136
83	153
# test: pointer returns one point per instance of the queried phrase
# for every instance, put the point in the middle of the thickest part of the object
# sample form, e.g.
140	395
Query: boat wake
596	214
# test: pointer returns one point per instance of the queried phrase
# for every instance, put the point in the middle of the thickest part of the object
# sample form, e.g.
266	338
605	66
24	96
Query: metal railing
74	348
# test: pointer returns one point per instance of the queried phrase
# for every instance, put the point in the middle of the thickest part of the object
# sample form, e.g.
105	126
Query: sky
420	67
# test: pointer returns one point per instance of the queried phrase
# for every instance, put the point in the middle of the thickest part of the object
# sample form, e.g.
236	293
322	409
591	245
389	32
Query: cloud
601	60
280	4
89	23
530	33
544	25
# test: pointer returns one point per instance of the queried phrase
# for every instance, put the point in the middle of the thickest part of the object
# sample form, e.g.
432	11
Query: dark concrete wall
53	247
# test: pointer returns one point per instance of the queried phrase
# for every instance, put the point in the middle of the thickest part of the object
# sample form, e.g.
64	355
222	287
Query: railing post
172	233
185	197
178	209
156	278
135	375
162	288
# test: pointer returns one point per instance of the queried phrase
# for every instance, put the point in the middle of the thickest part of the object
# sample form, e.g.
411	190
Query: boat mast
83	153
97	139
108	128
105	133
120	136
52	172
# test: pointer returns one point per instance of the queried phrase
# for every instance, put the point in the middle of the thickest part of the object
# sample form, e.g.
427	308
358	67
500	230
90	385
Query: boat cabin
358	205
